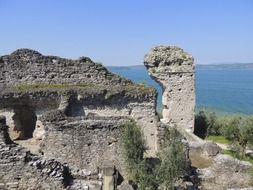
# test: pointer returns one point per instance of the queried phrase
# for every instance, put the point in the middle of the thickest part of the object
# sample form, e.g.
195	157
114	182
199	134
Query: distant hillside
202	67
227	66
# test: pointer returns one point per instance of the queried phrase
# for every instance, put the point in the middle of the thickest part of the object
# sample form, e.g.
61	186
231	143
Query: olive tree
173	159
240	131
200	128
150	173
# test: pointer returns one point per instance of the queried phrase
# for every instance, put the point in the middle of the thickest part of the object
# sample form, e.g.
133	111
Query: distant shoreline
210	109
199	66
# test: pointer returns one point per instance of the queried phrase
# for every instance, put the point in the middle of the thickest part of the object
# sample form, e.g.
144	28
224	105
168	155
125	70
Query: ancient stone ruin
62	121
174	70
70	111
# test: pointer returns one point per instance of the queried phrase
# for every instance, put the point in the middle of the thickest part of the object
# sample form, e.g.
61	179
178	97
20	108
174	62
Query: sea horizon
223	88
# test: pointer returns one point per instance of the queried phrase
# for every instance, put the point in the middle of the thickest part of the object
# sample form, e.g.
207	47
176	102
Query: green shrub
134	148
237	156
231	129
207	123
240	131
149	173
213	125
200	128
173	159
139	169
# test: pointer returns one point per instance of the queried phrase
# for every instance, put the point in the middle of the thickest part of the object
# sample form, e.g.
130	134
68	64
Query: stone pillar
108	178
174	70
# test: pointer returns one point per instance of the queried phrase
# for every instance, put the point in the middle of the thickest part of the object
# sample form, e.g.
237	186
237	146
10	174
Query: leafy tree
134	148
200	128
207	123
173	159
213	126
140	170
149	173
240	131
146	176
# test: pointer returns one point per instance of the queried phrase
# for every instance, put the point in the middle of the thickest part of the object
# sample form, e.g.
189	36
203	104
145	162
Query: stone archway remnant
174	70
24	121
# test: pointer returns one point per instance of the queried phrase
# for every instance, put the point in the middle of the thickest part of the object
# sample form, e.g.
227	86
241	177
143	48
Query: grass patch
218	139
145	89
49	86
140	88
234	155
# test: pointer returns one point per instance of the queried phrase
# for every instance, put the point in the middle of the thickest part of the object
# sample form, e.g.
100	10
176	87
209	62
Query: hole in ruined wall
120	178
74	108
88	144
24	122
24	128
179	89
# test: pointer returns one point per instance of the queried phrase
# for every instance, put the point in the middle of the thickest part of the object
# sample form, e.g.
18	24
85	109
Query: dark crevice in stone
24	121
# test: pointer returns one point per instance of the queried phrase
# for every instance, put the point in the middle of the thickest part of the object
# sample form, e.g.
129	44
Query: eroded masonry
67	111
174	70
61	121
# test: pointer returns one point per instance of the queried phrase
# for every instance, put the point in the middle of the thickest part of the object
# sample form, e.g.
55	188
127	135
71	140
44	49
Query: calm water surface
226	90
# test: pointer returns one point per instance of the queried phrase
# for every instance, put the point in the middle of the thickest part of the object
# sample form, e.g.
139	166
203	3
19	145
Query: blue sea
222	90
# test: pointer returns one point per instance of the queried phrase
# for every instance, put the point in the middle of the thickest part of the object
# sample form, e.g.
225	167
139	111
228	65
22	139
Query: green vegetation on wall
150	173
134	148
173	159
25	86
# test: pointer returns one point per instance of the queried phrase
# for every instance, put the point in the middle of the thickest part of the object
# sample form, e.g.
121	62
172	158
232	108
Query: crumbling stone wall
174	70
86	143
106	94
29	66
93	104
140	109
81	102
19	169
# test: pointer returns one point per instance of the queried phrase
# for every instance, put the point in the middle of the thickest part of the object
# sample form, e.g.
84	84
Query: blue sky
120	32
